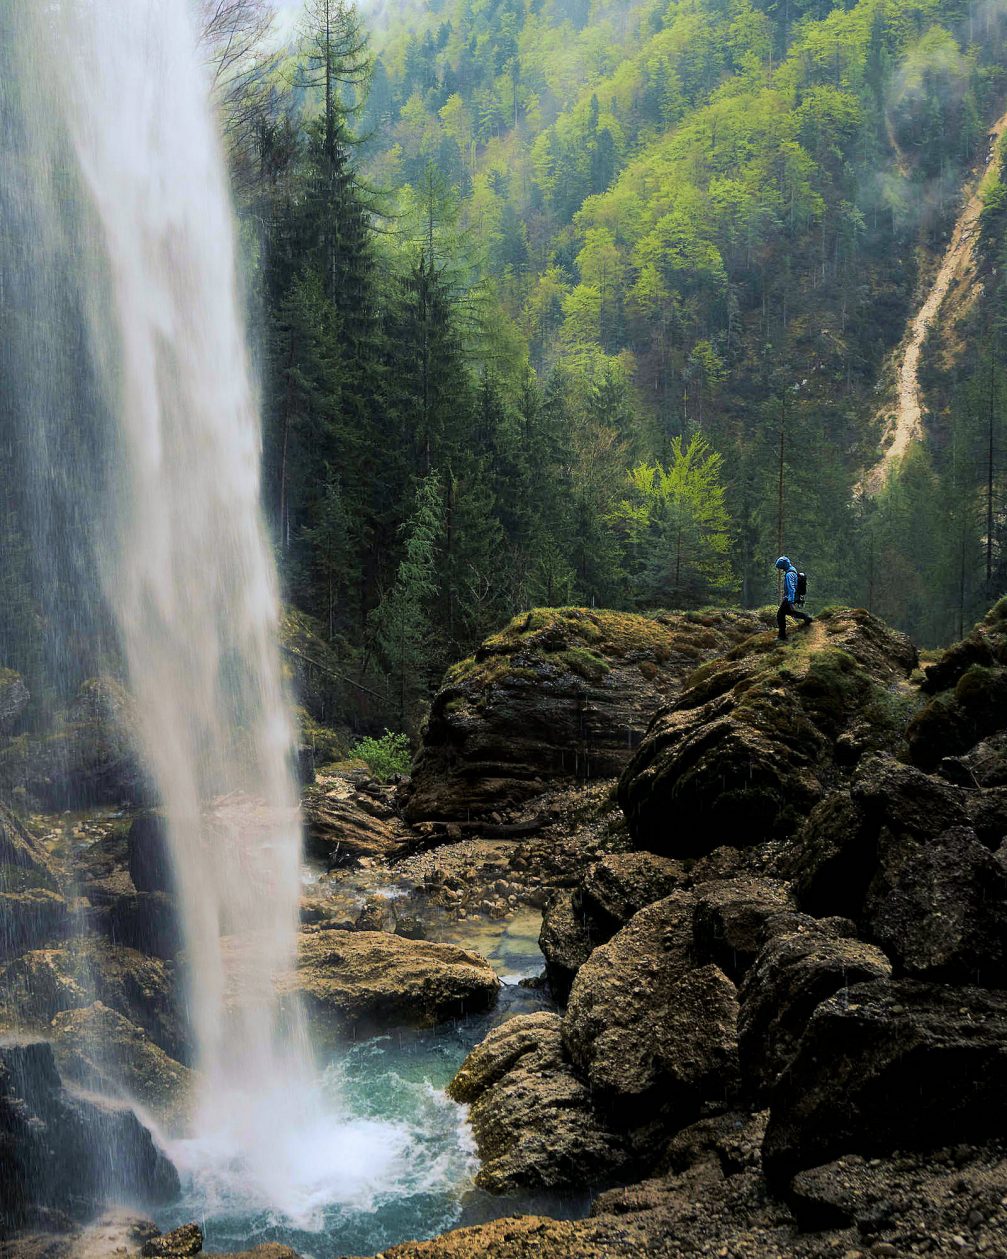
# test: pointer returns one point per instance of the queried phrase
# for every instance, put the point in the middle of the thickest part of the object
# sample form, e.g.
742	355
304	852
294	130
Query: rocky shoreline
772	880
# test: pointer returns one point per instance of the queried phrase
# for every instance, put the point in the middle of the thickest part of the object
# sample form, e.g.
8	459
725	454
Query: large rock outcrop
561	692
758	736
373	979
65	1153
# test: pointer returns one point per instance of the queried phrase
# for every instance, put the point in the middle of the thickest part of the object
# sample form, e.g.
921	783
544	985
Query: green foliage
677	528
386	757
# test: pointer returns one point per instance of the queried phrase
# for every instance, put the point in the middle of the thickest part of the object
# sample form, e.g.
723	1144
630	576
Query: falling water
140	421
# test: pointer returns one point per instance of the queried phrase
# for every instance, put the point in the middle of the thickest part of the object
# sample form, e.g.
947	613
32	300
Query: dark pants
788	609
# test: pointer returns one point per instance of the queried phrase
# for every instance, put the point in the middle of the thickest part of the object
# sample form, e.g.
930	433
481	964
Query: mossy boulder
534	1119
558	693
373	979
758	737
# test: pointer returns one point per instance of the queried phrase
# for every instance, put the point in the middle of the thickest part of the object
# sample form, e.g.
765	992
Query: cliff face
800	969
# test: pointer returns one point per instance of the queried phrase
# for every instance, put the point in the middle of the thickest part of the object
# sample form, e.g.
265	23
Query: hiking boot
781	638
808	623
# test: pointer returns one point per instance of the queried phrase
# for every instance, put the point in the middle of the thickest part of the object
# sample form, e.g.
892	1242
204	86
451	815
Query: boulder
795	972
985	645
622	883
985	765
14	699
755	738
969	685
374	979
559	693
957	720
534	1121
938	906
647	1031
987	813
899	854
565	940
100	1050
65	1153
731	918
890	1065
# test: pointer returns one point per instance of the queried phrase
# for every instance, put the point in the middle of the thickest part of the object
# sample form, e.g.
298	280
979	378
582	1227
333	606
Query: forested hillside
595	303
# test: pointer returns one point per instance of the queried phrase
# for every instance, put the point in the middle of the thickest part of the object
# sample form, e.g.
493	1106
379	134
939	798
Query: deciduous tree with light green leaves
677	528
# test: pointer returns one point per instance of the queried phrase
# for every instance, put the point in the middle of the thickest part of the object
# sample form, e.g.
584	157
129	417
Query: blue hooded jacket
789	578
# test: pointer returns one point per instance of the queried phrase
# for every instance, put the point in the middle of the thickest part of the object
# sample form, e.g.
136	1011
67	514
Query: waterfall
137	412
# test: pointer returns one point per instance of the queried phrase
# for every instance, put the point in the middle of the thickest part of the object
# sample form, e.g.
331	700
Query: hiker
790	598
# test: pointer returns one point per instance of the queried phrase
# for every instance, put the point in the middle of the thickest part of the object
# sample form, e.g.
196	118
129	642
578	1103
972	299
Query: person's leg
804	617
781	618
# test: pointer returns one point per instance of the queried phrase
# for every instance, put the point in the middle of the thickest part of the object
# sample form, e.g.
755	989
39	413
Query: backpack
801	593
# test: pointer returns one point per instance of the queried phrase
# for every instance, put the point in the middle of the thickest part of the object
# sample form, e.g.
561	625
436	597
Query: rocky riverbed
769	882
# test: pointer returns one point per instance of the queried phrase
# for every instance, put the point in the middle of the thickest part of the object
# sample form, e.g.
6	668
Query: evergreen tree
402	625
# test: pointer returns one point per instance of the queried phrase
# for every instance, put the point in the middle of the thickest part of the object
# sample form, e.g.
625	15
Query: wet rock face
88	756
559	693
757	737
65	1153
100	1050
373	979
33	910
534	1120
891	1065
149	854
43	983
14	699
